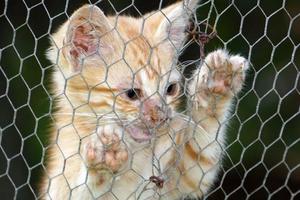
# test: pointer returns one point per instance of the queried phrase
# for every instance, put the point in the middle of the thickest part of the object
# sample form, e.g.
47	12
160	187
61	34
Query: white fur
164	155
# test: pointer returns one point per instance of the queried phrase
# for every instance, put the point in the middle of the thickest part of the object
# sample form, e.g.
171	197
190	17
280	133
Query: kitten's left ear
174	22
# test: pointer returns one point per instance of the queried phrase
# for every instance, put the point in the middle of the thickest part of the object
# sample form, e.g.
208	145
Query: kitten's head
121	66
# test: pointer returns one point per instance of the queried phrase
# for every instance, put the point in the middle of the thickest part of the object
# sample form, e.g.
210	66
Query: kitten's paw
222	73
105	150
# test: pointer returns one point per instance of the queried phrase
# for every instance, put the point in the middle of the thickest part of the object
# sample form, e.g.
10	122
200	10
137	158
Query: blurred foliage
264	132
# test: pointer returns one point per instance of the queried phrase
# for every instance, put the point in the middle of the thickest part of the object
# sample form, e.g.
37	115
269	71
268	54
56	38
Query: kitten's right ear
173	21
89	35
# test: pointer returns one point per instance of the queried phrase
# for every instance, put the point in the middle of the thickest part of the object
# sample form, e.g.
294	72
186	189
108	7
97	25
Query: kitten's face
148	88
142	90
127	71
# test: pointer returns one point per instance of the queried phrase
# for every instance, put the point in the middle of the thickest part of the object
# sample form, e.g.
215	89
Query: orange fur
97	59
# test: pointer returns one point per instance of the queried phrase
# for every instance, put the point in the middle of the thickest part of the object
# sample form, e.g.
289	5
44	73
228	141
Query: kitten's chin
139	134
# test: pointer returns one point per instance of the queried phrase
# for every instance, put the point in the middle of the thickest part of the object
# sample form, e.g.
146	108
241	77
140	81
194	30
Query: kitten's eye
172	89
133	94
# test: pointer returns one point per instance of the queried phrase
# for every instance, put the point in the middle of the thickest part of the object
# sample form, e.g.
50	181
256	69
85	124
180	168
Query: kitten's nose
153	113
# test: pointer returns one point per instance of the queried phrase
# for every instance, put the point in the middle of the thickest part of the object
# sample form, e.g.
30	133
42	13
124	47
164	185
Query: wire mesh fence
260	156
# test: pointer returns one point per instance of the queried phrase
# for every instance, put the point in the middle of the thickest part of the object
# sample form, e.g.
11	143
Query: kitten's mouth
139	134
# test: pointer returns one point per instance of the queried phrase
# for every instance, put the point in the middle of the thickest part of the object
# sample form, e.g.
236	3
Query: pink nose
152	113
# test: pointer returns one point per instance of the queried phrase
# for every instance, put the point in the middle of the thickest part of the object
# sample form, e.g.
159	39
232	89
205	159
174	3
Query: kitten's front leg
213	87
104	155
212	90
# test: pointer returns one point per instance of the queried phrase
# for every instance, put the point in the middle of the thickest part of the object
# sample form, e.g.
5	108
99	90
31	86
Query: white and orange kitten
117	131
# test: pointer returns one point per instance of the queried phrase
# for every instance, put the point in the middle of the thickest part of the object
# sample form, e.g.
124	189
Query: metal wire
261	158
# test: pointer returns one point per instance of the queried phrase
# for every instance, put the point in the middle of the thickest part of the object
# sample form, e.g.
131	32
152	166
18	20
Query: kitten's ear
174	22
89	35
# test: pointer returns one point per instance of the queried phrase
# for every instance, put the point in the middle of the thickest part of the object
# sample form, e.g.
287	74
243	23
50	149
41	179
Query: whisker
185	117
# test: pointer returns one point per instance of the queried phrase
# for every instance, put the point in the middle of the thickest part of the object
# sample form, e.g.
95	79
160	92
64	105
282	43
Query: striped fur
91	77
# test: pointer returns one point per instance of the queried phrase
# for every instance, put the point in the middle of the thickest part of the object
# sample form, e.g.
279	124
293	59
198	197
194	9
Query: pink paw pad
226	73
105	150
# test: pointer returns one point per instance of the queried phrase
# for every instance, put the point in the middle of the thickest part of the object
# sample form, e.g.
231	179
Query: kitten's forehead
141	46
152	82
144	63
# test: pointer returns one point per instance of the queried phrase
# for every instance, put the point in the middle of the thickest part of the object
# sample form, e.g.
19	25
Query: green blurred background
262	158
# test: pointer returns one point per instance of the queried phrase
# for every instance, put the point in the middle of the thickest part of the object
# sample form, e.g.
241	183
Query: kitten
117	131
